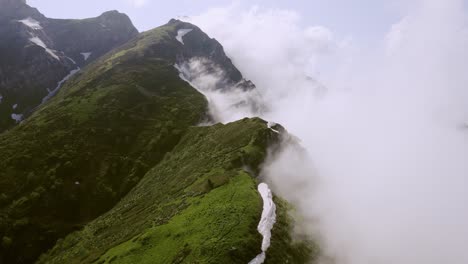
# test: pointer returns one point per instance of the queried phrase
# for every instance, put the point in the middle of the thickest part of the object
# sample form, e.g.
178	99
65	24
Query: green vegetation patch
202	180
287	245
215	228
86	148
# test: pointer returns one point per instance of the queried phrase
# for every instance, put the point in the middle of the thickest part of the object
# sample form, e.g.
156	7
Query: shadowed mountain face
37	53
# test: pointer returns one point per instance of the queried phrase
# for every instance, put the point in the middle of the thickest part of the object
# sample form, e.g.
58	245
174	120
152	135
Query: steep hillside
114	158
37	53
81	152
199	205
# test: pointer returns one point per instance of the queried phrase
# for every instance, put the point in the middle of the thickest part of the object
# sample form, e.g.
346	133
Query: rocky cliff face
13	8
36	53
87	39
197	44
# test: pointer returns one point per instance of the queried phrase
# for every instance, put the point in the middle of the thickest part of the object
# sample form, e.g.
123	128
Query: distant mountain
37	53
115	169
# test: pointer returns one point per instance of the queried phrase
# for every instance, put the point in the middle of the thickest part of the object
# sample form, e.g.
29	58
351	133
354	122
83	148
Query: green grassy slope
215	228
79	154
199	203
114	169
286	247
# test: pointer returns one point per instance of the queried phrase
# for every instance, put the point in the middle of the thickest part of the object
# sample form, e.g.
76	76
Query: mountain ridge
38	53
122	138
106	127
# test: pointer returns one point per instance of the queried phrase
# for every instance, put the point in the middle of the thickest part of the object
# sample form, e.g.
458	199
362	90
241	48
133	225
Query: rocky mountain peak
17	9
114	16
116	20
10	3
197	44
111	13
38	53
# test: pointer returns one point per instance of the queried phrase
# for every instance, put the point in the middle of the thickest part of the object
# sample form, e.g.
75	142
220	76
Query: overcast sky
365	18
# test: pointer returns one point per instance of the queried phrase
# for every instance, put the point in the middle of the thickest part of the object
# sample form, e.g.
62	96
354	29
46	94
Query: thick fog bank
381	171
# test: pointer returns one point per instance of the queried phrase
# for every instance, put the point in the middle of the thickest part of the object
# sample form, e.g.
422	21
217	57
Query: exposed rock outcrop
37	52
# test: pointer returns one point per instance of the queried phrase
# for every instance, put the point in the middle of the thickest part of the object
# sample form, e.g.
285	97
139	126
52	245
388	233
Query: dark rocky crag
28	71
199	44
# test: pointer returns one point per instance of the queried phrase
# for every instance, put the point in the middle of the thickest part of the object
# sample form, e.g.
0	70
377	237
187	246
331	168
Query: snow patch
15	106
1	98
17	117
259	259
267	221
72	60
271	125
31	23
181	33
39	42
59	85
86	55
182	73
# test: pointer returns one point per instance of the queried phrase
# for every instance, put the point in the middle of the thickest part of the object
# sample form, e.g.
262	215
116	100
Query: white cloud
384	177
137	3
394	37
268	44
226	105
319	37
